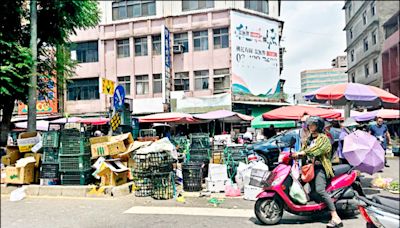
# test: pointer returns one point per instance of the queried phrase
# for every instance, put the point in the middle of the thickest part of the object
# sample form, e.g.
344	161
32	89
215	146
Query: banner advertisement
255	54
45	104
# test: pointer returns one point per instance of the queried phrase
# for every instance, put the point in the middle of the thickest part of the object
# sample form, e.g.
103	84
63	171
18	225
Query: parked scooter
380	211
275	197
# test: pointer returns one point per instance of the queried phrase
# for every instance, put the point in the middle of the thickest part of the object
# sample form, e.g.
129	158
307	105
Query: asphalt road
83	212
130	211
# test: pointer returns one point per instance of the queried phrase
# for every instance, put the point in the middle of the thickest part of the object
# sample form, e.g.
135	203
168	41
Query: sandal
334	224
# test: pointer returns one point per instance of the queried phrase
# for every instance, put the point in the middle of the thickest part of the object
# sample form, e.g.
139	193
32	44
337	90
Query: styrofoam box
217	172
215	185
251	192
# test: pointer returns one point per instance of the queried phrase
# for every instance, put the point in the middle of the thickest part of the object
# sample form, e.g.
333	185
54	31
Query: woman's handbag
307	172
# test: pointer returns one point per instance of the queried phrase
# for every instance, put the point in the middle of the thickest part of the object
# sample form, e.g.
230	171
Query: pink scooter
275	197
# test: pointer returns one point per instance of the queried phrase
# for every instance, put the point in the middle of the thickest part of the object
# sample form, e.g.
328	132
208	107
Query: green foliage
14	70
57	20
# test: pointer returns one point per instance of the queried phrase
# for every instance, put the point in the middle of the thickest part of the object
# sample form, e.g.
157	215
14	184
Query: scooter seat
340	169
387	201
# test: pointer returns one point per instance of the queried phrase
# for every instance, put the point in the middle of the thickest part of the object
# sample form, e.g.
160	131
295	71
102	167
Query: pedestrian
318	148
98	133
271	132
348	126
380	131
327	130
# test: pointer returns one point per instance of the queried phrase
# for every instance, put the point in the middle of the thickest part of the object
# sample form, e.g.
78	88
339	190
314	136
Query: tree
57	20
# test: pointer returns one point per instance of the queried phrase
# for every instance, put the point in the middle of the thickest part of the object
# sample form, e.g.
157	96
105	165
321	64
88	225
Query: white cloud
312	35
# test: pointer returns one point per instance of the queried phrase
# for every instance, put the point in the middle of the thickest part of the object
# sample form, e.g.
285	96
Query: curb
90	191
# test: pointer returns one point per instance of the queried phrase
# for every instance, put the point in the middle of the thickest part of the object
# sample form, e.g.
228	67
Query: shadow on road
295	219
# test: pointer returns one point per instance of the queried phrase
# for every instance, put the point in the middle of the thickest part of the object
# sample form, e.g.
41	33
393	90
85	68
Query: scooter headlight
277	180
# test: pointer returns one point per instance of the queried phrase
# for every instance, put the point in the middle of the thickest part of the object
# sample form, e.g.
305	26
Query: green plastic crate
50	155
51	139
74	163
74	147
77	177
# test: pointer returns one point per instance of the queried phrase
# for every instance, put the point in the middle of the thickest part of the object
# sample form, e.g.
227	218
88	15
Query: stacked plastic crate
49	170
232	156
74	157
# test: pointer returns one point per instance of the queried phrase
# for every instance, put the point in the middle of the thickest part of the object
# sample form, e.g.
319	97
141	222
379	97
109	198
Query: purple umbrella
364	151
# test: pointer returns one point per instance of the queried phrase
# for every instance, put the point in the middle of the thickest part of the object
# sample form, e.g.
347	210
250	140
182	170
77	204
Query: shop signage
166	64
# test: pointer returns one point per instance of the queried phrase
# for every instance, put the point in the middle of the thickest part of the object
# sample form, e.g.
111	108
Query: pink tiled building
126	48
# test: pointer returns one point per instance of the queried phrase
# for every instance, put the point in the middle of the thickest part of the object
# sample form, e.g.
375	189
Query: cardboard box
216	185
113	172
29	154
27	140
101	139
3	176
12	155
108	148
126	138
217	172
20	175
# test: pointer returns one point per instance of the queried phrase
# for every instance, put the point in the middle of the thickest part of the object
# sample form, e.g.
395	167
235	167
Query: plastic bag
18	194
295	170
380	182
297	192
232	190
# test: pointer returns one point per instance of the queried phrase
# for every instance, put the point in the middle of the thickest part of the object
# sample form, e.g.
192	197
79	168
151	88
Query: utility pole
33	80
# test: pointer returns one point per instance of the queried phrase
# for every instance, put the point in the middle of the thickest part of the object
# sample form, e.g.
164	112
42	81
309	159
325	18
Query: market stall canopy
175	117
358	94
296	112
384	113
342	113
67	120
41	125
259	122
94	121
225	115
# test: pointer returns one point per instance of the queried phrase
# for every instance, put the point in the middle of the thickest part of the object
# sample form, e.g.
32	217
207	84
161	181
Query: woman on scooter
318	147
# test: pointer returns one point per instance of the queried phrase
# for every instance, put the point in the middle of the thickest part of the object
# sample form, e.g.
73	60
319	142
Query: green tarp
258	122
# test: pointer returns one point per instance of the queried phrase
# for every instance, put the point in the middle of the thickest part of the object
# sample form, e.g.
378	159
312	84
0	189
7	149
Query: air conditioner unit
178	48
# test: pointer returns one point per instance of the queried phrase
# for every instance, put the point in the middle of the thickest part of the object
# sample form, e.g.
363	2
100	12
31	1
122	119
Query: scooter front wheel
268	210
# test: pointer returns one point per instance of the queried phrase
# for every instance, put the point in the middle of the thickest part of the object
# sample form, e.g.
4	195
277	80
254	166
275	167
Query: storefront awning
258	122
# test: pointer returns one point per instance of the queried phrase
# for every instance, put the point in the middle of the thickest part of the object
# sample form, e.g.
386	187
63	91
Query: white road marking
196	211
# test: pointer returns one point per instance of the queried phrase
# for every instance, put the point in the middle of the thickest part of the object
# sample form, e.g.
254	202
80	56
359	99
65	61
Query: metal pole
33	80
347	109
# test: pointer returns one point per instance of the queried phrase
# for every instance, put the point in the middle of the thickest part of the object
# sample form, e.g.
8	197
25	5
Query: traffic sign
107	86
119	97
115	121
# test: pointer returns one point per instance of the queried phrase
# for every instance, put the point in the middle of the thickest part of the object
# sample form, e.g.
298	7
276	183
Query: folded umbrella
363	151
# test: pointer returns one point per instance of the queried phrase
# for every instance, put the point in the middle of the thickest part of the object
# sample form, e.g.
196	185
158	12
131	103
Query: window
196	5
156	45
181	81
201	80
85	52
257	5
123	48
141	46
157	82
373	37
351	33
182	39
352	55
366	70
142	84
365	42
364	17
130	9
353	77
375	66
221	80
221	38
200	40
373	8
125	81
83	89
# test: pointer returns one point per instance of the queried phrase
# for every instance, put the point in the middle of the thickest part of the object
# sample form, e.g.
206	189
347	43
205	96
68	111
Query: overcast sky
312	35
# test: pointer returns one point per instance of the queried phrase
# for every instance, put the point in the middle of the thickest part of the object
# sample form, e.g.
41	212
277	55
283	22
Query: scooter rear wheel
268	210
